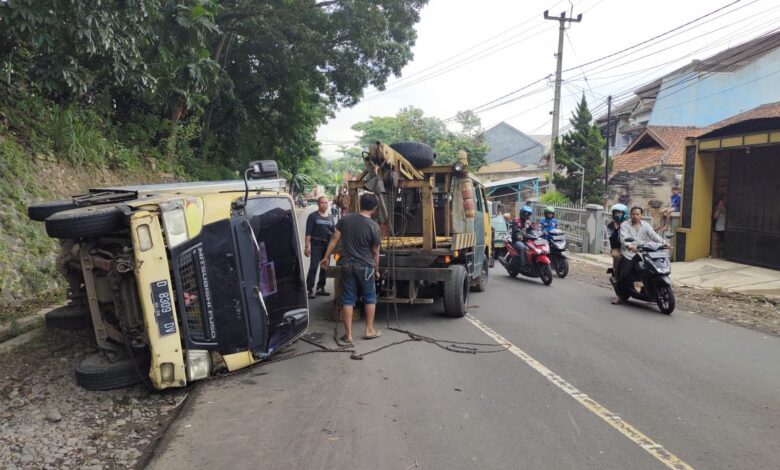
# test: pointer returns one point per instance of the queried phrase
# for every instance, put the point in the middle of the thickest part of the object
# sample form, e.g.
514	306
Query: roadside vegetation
154	90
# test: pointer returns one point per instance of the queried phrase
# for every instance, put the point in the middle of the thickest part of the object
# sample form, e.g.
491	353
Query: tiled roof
765	111
656	145
637	160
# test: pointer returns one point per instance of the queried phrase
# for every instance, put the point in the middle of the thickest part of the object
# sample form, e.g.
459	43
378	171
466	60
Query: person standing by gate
319	229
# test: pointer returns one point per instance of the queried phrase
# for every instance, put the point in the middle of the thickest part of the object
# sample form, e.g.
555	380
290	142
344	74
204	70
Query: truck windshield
281	275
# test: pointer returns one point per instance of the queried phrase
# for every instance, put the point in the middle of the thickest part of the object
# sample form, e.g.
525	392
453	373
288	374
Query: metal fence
571	219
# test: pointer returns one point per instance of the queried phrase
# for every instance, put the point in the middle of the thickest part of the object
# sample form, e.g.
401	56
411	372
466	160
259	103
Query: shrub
553	198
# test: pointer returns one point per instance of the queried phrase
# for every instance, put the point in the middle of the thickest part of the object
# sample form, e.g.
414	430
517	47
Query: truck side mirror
261	169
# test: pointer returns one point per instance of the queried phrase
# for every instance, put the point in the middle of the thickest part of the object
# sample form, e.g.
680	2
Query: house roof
500	167
509	143
519	179
766	112
656	145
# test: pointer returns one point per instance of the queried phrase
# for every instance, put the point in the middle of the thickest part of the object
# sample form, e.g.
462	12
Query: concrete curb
30	327
24	338
24	322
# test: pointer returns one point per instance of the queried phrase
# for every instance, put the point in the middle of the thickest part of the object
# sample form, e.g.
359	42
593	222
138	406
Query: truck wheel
418	154
42	210
96	373
456	292
480	284
73	316
83	222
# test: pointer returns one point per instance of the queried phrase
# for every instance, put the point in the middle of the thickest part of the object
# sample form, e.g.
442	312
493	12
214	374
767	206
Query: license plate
163	308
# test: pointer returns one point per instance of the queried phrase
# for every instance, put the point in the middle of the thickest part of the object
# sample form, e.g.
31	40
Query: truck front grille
191	297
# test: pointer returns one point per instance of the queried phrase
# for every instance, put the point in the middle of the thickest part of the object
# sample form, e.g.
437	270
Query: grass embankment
48	152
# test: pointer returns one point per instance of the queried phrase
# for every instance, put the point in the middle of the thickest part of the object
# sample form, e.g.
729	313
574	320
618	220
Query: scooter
652	268
538	263
560	260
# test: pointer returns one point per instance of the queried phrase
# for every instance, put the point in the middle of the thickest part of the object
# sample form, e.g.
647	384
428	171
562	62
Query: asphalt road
586	385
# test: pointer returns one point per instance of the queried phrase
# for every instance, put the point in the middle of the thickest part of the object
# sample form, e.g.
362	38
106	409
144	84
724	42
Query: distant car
500	232
183	279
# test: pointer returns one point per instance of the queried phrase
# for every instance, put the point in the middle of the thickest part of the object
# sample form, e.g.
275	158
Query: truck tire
96	373
42	210
84	222
480	283
74	316
456	292
418	154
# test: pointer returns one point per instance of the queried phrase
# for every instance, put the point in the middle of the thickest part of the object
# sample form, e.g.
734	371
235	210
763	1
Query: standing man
359	264
319	229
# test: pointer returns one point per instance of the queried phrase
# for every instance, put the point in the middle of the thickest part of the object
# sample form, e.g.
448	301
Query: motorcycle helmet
525	212
622	215
549	210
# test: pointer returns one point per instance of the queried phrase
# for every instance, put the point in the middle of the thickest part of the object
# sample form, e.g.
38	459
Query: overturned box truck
436	234
181	281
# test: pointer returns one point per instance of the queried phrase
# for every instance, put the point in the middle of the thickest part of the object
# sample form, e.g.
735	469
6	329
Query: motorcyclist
619	215
549	222
641	232
521	224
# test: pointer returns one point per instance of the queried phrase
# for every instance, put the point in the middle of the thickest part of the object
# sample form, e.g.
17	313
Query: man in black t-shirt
319	229
358	265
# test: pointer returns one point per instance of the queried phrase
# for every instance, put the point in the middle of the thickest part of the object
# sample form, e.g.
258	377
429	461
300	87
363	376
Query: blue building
731	82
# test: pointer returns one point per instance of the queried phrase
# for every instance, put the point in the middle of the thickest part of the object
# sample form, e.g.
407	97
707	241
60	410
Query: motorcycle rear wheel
665	299
562	267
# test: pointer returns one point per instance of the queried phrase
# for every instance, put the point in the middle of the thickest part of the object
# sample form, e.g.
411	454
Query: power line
612	54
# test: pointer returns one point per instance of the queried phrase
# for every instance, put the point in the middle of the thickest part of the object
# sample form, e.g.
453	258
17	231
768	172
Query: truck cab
184	280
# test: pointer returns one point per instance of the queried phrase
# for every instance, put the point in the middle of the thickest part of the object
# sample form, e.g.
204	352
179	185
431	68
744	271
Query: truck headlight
198	364
175	226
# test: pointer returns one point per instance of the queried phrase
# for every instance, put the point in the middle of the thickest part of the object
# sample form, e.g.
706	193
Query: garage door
753	208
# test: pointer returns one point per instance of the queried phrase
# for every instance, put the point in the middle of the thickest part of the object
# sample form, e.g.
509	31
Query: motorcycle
652	269
560	260
537	252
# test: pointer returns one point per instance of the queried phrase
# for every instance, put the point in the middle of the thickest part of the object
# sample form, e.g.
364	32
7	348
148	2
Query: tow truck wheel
480	284
456	292
74	316
90	221
42	210
95	372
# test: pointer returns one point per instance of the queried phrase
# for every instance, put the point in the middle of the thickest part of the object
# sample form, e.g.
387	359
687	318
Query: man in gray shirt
358	265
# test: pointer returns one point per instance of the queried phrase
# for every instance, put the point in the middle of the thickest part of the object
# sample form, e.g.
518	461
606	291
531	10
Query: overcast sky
471	52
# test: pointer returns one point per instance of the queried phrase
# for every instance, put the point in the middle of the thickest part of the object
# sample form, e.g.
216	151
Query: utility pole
606	152
562	20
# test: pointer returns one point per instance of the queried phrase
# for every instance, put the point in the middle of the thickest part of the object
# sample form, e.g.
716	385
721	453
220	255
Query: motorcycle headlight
175	224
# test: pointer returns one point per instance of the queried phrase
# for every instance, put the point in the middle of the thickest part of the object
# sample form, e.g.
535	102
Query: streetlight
581	171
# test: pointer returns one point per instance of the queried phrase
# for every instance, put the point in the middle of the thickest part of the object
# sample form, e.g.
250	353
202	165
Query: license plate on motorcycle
163	308
658	254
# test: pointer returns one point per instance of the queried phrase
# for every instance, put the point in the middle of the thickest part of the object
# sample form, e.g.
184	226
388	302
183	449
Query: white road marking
653	448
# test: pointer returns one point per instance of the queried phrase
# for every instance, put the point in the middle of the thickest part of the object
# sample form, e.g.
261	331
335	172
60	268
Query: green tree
206	82
411	125
582	145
